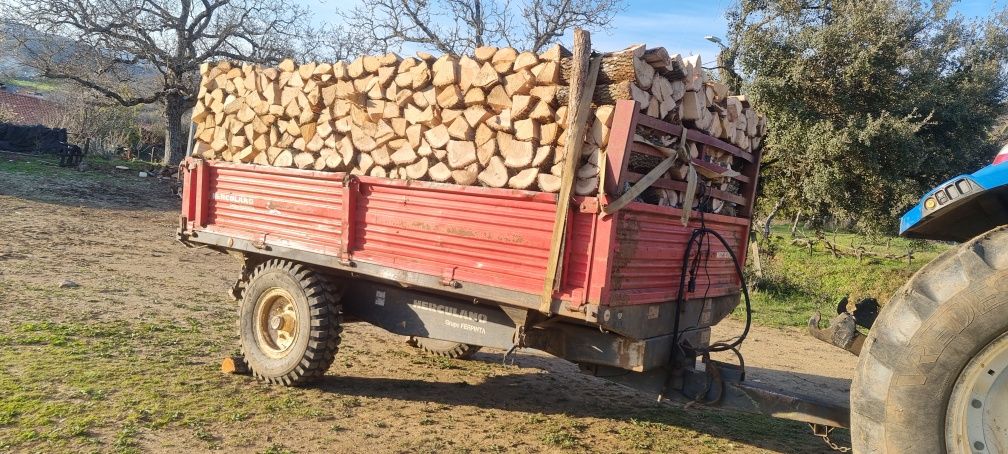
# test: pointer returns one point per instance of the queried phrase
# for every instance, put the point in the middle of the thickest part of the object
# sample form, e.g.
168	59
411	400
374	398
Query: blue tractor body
961	208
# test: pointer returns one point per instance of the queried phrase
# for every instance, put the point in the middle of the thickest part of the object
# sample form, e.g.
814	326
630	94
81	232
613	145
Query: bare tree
334	43
458	26
149	51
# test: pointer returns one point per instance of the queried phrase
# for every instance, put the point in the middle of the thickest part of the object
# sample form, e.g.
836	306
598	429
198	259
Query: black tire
447	349
927	333
316	323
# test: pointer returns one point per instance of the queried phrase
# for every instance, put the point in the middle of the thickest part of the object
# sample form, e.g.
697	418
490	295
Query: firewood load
496	118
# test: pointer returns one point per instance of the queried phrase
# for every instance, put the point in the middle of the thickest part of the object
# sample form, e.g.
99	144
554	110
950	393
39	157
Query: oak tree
869	104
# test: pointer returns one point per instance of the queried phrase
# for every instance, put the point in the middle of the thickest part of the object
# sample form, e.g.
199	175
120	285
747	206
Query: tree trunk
769	219
794	225
175	134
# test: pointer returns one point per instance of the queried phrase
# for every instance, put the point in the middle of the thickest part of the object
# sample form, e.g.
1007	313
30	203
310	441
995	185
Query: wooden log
304	159
517	154
524	179
461	153
521	105
519	83
466	176
484	54
437	136
404	156
468	70
485	151
381	156
439	172
503	59
475	115
547	73
586	186
555	53
609	94
501	122
548	182
543	155
446	71
495	175
498	99
527	130
418	170
474	97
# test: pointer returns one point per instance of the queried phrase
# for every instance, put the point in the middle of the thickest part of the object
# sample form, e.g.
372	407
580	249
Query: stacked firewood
496	118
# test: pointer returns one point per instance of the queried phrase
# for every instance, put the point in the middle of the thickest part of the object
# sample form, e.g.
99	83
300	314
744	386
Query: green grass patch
798	281
46	166
43	86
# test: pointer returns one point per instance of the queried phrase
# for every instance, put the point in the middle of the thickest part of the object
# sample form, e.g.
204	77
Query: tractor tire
913	361
288	323
447	349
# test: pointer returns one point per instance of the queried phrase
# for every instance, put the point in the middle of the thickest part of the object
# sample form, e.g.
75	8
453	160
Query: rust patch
455	230
627	237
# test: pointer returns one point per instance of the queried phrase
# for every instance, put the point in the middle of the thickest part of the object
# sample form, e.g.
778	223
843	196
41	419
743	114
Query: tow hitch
842	331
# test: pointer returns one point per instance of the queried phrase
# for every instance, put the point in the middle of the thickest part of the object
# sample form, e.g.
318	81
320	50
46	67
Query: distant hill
13	56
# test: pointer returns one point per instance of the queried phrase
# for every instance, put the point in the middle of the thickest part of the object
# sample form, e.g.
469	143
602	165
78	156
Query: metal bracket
448	277
261	243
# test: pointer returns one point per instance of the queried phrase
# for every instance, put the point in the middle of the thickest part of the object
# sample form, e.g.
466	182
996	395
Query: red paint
494	237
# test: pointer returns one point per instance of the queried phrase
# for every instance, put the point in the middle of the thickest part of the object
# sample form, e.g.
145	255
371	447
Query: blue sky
677	25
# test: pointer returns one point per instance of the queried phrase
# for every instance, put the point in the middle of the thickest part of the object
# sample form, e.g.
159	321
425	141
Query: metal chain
823	431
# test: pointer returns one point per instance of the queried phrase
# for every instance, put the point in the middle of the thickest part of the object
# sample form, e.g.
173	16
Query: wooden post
582	87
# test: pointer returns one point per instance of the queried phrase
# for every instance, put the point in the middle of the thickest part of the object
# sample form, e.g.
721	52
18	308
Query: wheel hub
978	408
276	327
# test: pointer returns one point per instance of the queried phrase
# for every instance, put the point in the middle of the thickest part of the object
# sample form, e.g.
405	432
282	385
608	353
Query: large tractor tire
447	349
289	323
933	373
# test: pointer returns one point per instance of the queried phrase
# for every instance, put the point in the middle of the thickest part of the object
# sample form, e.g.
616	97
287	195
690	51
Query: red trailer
462	267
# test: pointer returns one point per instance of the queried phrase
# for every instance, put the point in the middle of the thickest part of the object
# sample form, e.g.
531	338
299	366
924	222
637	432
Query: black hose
698	237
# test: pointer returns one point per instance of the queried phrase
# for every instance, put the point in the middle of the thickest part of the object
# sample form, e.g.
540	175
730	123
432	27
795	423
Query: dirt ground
128	359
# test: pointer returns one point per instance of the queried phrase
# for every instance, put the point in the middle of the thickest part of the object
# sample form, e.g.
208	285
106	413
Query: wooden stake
581	89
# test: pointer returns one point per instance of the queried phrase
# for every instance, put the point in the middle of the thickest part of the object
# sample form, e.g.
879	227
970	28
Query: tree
870	104
458	26
149	51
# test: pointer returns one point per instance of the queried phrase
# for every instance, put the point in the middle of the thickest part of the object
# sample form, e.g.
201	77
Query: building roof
30	110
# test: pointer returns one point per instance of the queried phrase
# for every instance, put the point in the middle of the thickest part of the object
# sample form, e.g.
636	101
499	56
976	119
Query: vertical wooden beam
582	87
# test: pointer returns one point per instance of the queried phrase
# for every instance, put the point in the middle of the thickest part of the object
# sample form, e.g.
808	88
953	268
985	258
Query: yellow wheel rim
276	328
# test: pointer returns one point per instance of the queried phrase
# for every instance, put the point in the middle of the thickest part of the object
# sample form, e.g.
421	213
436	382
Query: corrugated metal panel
294	209
648	255
580	249
497	237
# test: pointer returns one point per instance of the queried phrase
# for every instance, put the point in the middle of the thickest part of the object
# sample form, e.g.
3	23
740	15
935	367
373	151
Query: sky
678	25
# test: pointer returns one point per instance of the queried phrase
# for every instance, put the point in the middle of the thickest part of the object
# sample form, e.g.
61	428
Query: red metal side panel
496	237
647	255
284	207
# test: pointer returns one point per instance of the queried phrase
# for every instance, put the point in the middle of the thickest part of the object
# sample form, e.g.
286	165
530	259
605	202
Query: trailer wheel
289	323
447	349
933	374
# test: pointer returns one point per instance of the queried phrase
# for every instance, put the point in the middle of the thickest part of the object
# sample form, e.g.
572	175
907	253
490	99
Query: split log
495	175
